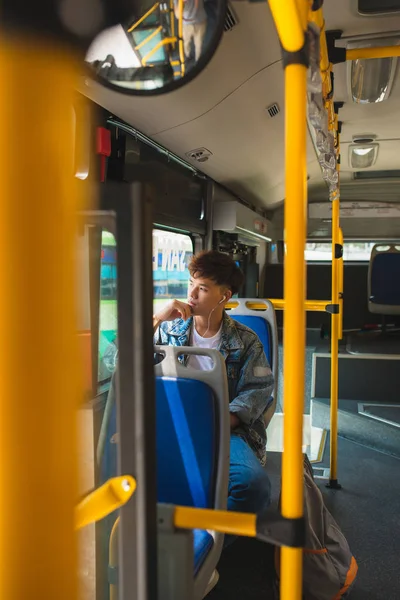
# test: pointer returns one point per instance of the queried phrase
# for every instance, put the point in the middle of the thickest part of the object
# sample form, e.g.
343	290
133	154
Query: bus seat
263	323
193	436
384	279
192	442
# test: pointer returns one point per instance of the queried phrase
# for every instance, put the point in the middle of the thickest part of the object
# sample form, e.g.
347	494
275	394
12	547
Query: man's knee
253	488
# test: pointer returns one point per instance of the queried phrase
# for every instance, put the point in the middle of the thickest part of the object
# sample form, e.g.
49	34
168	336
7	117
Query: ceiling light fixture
363	156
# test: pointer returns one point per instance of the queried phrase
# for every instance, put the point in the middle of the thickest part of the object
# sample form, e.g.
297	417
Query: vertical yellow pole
341	284
180	36
334	346
294	315
172	17
40	386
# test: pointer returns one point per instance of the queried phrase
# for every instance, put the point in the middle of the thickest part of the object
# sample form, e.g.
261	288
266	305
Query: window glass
352	251
108	307
171	255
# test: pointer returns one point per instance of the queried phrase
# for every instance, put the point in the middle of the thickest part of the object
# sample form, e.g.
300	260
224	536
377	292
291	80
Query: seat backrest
384	279
192	430
263	323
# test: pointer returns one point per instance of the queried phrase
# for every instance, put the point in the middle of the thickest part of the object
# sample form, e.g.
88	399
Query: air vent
273	110
201	155
230	19
378	7
395	174
363	139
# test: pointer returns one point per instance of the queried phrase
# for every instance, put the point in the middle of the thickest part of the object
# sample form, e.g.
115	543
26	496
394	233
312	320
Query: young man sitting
203	322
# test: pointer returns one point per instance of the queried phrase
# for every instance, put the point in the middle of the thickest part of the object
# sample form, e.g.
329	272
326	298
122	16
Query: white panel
354	210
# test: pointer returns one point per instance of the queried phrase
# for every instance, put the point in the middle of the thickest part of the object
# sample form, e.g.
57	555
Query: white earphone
223	299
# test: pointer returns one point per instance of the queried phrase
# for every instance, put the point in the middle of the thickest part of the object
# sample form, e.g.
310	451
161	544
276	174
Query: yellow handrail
180	38
172	17
341	284
279	304
229	522
159	45
334	345
288	23
294	329
290	18
149	37
40	373
102	502
377	52
151	10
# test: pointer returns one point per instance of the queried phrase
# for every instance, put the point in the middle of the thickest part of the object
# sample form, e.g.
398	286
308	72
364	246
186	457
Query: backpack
329	568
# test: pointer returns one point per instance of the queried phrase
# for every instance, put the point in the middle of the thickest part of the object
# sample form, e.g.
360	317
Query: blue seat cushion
262	328
203	542
385	279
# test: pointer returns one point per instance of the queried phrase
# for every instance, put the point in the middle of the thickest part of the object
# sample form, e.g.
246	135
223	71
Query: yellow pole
279	304
334	346
40	386
378	52
180	36
294	330
172	17
224	521
159	45
147	14
341	284
149	37
104	500
288	23
290	18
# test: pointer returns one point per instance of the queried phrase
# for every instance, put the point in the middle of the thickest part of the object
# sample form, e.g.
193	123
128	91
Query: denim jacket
250	379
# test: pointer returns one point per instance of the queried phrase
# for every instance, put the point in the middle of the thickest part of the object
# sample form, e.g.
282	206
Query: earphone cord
209	321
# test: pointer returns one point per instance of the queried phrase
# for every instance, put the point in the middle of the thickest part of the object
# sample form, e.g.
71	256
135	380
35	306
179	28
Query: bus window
171	255
108	307
352	251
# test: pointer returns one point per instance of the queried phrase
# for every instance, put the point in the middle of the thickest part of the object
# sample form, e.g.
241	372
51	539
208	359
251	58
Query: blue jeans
249	485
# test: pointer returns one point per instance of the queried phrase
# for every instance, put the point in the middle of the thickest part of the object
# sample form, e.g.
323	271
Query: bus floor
368	511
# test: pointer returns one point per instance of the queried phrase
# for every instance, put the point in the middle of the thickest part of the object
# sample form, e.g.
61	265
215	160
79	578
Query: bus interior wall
355	307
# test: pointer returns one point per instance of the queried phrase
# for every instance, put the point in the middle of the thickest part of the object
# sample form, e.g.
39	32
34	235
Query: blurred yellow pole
40	386
113	494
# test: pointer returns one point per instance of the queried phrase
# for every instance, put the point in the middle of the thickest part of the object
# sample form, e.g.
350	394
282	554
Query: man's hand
173	310
235	421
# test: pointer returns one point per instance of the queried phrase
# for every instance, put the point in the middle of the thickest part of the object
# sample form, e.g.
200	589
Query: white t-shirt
203	363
